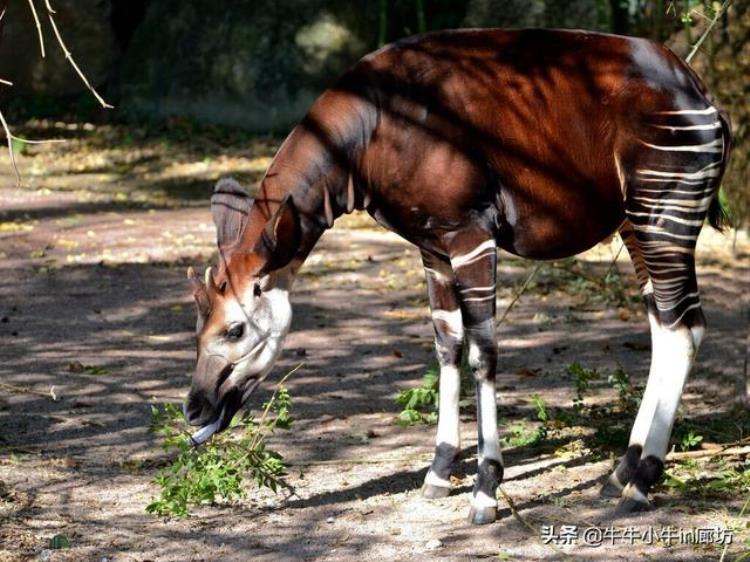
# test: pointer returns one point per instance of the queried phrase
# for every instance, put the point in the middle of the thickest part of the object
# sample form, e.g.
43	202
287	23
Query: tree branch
38	26
69	56
700	41
9	138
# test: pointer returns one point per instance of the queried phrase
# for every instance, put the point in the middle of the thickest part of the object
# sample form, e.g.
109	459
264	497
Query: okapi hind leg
677	327
474	261
448	324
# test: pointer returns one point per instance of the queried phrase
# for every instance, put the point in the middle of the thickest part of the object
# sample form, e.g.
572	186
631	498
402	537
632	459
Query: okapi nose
198	410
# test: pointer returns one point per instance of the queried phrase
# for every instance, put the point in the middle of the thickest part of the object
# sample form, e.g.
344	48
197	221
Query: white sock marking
435	480
448	430
481	500
672	356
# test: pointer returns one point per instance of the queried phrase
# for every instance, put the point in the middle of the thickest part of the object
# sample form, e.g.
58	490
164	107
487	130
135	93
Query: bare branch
9	136
700	41
39	141
38	26
6	82
69	56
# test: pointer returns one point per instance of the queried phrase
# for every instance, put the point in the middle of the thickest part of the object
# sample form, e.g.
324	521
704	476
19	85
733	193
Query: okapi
540	142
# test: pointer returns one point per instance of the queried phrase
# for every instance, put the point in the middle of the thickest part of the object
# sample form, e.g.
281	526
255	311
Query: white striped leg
448	324
677	327
475	271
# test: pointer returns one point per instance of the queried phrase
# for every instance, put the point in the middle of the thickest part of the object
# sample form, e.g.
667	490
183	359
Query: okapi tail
717	214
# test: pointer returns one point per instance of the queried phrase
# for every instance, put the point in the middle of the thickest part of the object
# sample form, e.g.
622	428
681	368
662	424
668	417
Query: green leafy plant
582	378
522	434
218	469
419	405
690	441
628	396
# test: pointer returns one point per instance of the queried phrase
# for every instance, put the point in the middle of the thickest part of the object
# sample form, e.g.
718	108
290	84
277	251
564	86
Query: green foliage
522	434
218	469
582	378
628	396
690	441
419	405
59	541
718	479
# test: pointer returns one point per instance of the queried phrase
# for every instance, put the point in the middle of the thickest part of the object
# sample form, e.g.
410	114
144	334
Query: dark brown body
522	128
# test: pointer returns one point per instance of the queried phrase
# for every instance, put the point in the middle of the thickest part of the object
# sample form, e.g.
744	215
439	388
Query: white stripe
465	259
452	319
438	276
714	125
673	304
693	207
713	146
707	111
710	171
488	297
659	230
488	288
667	217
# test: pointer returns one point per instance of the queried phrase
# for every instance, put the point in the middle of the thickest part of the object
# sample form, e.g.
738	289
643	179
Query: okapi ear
230	205
200	294
280	239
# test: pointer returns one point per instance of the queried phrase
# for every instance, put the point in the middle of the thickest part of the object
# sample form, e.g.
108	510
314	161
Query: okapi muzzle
243	318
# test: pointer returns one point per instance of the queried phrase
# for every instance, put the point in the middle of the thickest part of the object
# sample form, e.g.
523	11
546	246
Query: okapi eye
235	332
256	289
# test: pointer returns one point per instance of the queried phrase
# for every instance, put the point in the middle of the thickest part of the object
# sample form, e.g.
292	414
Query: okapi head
244	312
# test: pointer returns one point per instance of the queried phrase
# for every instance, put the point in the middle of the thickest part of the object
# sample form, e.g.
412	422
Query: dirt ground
94	250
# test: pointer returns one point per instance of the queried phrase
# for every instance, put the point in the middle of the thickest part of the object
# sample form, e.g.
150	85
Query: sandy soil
92	271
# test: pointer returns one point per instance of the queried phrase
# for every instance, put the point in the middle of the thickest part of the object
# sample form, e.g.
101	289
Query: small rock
45	555
330	520
301	352
434	544
76	367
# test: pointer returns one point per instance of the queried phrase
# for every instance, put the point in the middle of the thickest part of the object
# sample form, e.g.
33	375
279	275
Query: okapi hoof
432	492
611	488
633	501
482	515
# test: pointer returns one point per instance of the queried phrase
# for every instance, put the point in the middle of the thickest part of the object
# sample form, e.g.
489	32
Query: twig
614	261
25	390
723	452
520	292
257	437
528	525
6	82
40	141
38	26
726	546
9	137
69	56
711	25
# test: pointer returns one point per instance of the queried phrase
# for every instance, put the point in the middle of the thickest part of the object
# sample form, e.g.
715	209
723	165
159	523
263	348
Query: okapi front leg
446	319
475	271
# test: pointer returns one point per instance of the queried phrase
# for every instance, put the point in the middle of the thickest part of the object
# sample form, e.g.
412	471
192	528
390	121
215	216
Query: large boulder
86	30
256	64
